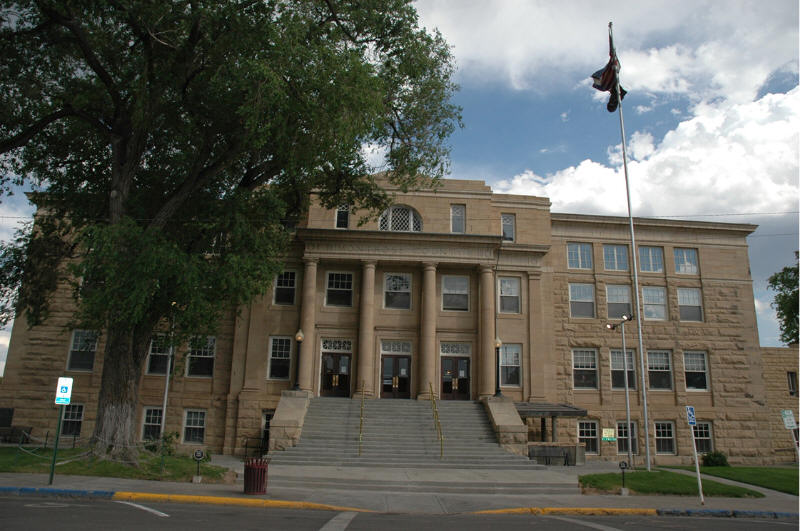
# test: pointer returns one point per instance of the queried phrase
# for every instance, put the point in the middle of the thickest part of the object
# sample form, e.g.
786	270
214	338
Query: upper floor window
159	356
510	356
339	291
651	259
455	293
584	369
791	377
615	257
619	301
343	217
458	218
579	255
81	352
201	356
397	291
659	369
509	294
654	299
509	222
685	261
280	358
581	300
285	284
618	370
400	218
695	371
690	304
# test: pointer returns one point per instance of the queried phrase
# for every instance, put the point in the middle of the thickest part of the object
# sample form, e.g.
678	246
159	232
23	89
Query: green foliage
662	482
164	446
715	458
786	303
783	479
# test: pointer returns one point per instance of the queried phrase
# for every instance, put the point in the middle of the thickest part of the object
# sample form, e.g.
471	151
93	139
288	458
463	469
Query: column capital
427	266
369	263
486	268
310	260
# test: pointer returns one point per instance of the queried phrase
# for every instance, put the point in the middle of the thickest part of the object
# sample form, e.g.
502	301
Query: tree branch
22	138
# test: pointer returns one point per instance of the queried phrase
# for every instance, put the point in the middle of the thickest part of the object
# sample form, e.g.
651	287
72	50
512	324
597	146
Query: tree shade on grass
662	482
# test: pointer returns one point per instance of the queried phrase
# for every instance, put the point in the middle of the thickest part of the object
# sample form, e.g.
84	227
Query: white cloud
375	155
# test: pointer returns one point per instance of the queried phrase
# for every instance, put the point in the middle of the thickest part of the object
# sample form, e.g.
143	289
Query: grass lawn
77	462
776	478
663	482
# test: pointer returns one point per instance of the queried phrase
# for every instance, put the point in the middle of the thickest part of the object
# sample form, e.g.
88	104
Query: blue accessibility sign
690	415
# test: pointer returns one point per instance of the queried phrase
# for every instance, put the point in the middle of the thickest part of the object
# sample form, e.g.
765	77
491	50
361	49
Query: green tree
170	142
784	284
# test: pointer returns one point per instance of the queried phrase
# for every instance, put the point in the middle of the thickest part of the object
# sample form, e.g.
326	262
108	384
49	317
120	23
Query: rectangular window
151	424
615	257
509	294
791	378
509	231
579	255
82	349
510	356
202	350
690	304
581	300
458	219
455	293
73	418
285	284
619	301
685	261
397	291
617	370
194	426
651	259
696	371
339	290
702	437
654	300
343	217
665	438
622	438
587	434
159	356
584	368
280	358
659	369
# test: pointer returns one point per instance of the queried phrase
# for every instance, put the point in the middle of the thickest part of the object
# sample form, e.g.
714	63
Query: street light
621	326
298	337
497	345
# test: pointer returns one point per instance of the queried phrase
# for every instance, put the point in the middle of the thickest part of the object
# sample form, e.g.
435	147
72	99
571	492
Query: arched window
400	218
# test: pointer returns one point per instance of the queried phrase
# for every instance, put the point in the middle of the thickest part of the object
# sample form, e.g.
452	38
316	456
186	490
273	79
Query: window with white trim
659	369
455	293
584	368
690	304
702	437
581	300
73	418
615	257
202	350
618	298
194	426
654	300
791	378
82	350
685	261
343	217
400	218
579	255
509	294
622	438
651	259
159	356
339	289
665	437
458	219
696	371
280	357
510	359
618	370
285	285
397	291
587	434
151	424
509	222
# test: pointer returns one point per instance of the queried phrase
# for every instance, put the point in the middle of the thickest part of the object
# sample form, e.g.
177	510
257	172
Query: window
694	364
280	360
584	368
510	356
619	301
654	300
339	291
73	418
659	369
665	438
622	438
194	426
397	291
702	437
617	370
458	218
455	293
81	352
791	377
151	424
581	300
690	304
587	434
159	356
400	219
509	294
615	257
343	217
285	284
201	356
686	261
579	255
651	259
508	221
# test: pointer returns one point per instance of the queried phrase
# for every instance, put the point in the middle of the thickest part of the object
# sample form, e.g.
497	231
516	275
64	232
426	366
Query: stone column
428	357
366	331
308	315
487	332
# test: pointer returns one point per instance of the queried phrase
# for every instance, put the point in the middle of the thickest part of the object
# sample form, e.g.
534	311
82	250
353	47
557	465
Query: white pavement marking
586	524
339	522
148	509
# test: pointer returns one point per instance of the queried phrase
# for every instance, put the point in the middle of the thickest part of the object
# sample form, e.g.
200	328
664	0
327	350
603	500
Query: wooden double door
395	376
336	375
455	378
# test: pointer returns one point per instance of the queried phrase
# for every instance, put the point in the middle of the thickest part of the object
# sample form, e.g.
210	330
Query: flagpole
634	253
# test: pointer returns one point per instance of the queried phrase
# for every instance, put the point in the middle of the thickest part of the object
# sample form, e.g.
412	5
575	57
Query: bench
544	454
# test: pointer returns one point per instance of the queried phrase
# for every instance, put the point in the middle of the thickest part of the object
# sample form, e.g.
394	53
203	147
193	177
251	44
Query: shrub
715	458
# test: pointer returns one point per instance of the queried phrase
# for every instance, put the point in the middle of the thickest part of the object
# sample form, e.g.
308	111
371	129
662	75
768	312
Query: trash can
255	475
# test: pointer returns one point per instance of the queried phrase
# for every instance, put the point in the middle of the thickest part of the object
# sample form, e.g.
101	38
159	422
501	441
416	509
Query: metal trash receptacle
255	475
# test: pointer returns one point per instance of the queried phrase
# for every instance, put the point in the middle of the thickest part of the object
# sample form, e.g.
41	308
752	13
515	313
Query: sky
712	113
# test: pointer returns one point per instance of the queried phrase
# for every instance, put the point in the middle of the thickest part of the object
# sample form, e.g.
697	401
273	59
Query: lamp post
497	345
298	337
621	325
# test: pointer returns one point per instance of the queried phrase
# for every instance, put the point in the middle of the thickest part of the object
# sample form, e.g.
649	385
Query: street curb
221	500
591	511
45	491
729	513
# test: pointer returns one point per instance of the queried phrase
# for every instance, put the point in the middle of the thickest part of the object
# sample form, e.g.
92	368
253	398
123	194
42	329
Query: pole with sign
63	394
790	424
692	422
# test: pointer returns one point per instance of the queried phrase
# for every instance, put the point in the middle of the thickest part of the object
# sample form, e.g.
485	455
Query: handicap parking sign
690	415
63	391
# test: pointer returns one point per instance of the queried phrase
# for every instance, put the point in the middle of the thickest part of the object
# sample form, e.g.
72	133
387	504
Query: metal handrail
436	423
361	423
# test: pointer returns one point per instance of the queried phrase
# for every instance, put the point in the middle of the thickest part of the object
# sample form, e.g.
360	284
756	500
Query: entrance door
455	378
335	379
396	377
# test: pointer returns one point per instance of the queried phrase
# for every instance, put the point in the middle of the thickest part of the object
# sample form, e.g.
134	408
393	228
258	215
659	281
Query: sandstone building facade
418	301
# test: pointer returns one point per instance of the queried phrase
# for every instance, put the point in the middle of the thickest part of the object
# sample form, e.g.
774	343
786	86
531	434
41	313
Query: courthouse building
418	300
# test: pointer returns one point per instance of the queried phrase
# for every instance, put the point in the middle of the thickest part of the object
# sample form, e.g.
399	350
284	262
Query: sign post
63	394
692	423
790	424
